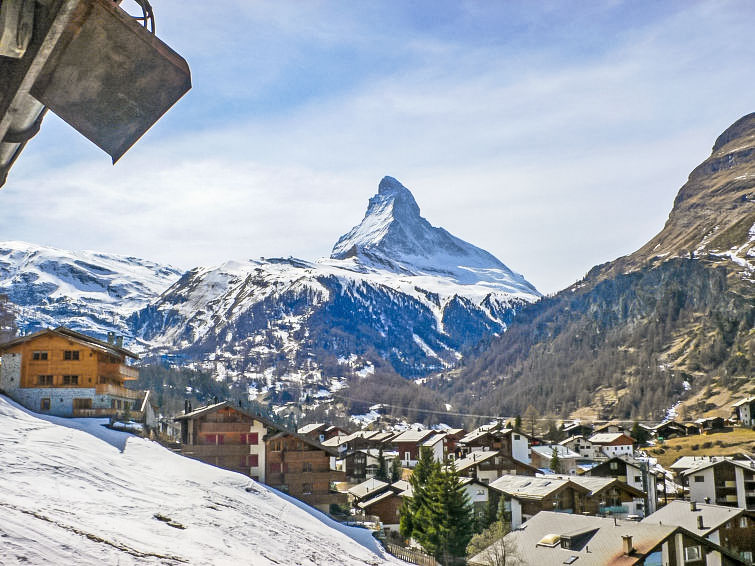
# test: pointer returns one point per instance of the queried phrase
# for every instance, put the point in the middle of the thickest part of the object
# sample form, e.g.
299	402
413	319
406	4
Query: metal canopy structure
92	64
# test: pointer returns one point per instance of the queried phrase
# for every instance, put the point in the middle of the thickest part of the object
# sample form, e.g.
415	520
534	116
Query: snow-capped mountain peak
394	236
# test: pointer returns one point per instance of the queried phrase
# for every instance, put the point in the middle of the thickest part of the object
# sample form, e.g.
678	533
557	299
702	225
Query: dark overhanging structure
100	69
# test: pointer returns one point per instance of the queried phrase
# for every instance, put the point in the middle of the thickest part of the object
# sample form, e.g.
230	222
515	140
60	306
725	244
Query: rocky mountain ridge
671	320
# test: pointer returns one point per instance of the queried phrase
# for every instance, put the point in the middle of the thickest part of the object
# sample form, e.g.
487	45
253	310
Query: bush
694	447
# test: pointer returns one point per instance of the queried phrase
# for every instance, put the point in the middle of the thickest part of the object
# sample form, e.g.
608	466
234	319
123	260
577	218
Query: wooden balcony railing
134	415
118	391
119	372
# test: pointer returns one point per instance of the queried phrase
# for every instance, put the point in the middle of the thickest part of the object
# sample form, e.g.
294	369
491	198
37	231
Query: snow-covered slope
73	492
89	291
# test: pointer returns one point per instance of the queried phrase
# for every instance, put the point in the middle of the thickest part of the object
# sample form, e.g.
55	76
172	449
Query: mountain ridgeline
396	294
636	334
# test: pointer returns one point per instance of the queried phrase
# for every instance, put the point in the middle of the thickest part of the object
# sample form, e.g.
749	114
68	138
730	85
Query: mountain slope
74	492
88	291
395	289
636	334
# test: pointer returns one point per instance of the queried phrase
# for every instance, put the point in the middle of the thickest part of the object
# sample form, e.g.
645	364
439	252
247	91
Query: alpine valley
396	292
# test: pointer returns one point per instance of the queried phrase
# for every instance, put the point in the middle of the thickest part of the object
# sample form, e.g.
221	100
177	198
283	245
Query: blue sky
553	134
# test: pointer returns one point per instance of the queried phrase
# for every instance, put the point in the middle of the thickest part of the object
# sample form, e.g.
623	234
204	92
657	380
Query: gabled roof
596	484
280	431
744	464
598	540
474	458
573	438
611	438
546	451
527	487
380	497
434	439
415	436
74	336
744	401
367	488
310	428
680	513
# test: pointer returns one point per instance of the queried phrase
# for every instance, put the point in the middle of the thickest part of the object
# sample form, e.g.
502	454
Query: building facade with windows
68	374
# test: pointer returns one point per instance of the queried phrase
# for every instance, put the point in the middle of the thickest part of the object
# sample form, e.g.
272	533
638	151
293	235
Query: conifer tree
382	473
555	464
396	470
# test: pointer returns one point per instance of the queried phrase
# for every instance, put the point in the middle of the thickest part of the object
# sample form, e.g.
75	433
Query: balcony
118	372
118	391
134	415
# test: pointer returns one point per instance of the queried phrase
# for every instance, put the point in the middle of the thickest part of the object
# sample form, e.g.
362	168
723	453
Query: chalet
632	472
478	495
608	496
409	444
744	411
496	437
361	465
555	538
611	428
733	528
710	425
582	446
385	504
320	431
366	490
668	429
229	437
64	373
722	481
488	465
577	428
542	456
524	497
613	443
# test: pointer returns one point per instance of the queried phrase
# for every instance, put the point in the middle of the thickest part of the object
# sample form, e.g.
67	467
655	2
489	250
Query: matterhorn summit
393	236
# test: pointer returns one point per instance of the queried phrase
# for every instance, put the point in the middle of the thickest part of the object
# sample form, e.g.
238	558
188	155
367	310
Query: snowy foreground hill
74	492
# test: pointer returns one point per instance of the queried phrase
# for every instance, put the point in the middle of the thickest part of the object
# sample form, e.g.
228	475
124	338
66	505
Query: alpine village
408	398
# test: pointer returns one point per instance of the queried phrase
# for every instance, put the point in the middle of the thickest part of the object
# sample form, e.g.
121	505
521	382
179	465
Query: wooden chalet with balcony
68	374
229	437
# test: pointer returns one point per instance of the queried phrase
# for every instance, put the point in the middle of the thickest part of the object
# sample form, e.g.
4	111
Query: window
306	466
71	355
84	403
70	380
614	465
251	438
250	461
516	437
638	479
407	456
692	553
44	380
275	468
44	404
743	522
39	356
699	479
306	488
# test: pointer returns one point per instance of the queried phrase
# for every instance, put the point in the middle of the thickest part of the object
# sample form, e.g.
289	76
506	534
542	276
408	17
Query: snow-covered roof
681	513
366	488
611	438
546	451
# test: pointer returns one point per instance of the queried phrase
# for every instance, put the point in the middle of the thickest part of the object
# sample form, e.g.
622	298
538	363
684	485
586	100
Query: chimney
186	406
119	341
693	505
700	522
626	544
111	337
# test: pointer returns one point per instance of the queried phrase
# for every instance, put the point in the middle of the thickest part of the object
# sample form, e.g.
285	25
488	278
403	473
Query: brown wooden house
65	373
229	437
